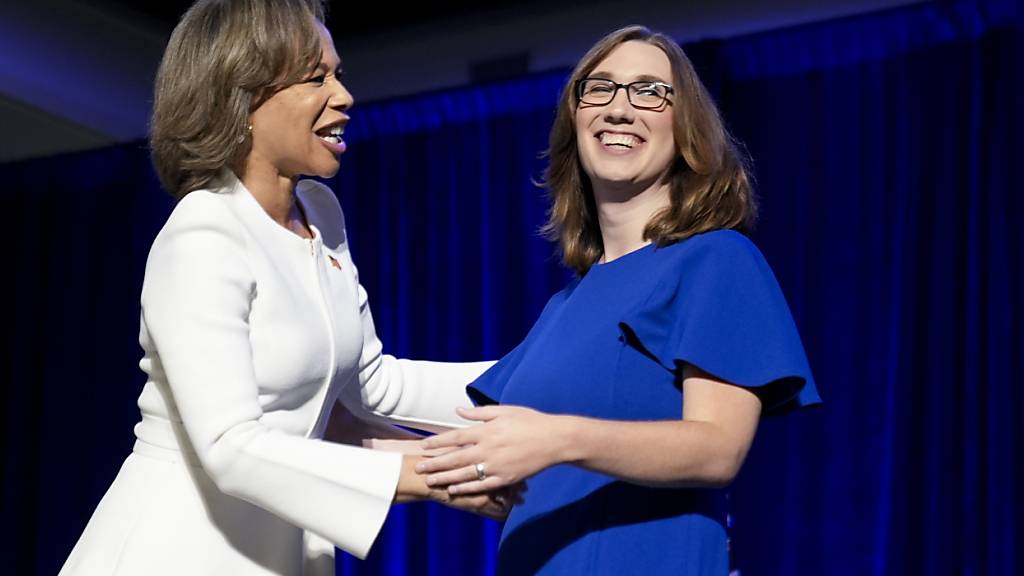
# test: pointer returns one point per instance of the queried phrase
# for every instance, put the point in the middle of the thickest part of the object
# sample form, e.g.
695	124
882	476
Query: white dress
251	334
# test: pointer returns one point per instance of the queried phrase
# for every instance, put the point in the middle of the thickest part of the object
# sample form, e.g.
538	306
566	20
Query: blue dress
612	345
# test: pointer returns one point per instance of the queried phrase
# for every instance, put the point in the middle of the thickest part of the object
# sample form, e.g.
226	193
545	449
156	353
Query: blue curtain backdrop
886	150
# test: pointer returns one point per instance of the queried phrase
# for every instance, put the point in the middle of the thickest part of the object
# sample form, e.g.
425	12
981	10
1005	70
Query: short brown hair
223	59
710	182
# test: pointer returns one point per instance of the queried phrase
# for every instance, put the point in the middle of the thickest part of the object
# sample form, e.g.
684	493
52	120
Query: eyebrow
640	78
323	66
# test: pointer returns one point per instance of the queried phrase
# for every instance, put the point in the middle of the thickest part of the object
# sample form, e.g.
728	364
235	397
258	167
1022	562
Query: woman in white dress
254	324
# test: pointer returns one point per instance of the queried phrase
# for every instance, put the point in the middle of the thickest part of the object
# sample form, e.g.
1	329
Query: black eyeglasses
643	94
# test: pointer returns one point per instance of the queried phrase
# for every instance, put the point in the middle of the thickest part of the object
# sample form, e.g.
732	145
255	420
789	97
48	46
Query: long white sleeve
417	393
196	301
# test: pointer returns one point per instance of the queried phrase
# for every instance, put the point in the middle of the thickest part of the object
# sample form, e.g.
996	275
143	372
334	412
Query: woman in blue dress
635	397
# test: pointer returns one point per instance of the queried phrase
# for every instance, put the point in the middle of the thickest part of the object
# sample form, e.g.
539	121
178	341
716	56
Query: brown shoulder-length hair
223	59
710	185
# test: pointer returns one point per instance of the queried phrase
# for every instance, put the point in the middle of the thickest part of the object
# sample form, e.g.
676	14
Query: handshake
347	428
413	486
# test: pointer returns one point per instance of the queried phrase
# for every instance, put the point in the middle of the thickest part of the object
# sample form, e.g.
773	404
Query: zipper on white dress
325	312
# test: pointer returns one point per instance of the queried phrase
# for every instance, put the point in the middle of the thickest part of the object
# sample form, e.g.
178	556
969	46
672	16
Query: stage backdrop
887	150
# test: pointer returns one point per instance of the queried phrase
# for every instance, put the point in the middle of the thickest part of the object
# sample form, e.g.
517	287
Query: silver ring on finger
481	471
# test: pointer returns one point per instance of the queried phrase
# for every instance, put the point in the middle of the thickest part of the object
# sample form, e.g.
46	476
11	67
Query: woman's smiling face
298	130
619	144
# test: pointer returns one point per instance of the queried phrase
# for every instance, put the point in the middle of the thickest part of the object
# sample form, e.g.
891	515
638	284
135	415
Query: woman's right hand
493	505
413	487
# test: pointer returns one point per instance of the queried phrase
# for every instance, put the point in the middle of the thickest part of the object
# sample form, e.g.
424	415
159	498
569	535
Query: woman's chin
325	169
329	172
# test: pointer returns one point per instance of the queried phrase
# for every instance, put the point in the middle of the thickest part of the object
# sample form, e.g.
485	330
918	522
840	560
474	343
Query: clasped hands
480	469
487	465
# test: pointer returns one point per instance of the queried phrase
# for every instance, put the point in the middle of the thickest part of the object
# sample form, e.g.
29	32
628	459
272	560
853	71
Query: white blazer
251	334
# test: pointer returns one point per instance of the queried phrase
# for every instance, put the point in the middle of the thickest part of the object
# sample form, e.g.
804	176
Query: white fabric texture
250	335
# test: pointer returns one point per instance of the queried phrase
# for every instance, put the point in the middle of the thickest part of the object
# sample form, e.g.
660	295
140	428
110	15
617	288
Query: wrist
568	446
412	486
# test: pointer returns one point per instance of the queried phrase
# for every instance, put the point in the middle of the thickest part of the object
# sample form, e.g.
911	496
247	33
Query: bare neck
623	215
276	195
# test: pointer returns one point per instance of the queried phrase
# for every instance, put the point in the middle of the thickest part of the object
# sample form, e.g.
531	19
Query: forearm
661	453
706	447
411	486
344	427
420	394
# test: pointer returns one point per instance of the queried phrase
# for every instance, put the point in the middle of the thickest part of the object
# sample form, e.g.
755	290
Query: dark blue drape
885	149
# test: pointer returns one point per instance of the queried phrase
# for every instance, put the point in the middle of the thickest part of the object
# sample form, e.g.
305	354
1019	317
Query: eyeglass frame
629	98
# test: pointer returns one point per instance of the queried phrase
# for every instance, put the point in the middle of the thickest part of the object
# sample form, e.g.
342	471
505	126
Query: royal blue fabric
887	150
612	345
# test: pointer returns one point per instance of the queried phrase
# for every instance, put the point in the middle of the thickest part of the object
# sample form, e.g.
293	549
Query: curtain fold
886	149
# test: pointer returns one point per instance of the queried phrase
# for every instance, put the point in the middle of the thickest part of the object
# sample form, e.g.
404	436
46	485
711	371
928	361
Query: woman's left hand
512	444
494	505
